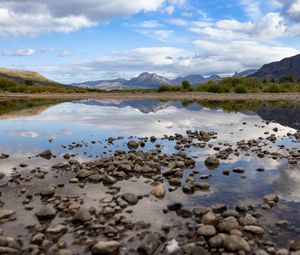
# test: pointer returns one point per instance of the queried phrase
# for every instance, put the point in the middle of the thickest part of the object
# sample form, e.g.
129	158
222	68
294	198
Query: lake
254	142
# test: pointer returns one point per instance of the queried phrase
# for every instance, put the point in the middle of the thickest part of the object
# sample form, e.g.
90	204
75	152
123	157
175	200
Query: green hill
32	82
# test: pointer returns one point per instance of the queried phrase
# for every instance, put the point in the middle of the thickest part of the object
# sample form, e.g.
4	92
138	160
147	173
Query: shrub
274	88
287	79
186	85
164	88
240	89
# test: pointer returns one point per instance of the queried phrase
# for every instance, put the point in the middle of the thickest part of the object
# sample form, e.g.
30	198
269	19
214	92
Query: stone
216	241
57	229
295	244
149	245
249	220
106	248
132	145
38	238
47	154
235	243
212	162
159	191
238	170
6	213
82	215
46	213
106	179
82	174
256	230
130	198
206	230
64	252
49	191
209	219
228	224
271	198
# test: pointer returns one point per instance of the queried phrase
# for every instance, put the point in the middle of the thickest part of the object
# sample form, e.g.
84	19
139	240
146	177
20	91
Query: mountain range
144	80
277	70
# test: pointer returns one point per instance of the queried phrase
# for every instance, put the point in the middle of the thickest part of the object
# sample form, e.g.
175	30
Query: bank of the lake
291	97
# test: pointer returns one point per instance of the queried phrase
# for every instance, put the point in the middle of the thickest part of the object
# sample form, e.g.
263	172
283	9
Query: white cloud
150	24
19	53
65	53
31	17
252	8
47	50
291	9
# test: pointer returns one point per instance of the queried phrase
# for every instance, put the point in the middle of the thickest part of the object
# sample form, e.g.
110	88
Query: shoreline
204	96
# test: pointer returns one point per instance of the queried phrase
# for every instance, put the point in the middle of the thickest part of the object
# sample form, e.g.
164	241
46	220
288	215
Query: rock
202	186
295	245
256	230
64	252
47	154
239	170
57	229
46	213
158	191
38	238
212	162
132	145
210	219
282	223
249	220
149	245
82	215
206	230
193	249
130	198
282	252
228	224
235	243
106	179
49	191
106	248
216	241
271	198
82	174
219	208
8	250
6	214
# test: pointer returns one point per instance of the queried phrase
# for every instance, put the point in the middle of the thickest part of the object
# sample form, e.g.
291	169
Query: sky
75	41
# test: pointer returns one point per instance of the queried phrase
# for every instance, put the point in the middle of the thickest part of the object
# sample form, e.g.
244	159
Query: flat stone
106	248
271	198
57	229
256	230
6	213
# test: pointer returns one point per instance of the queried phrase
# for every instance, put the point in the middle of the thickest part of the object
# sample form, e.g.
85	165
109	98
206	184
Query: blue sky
73	40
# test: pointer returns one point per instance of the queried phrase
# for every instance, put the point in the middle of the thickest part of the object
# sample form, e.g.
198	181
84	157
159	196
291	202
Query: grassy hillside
33	82
22	76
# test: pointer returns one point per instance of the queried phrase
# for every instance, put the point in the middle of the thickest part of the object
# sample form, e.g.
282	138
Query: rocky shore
291	97
90	207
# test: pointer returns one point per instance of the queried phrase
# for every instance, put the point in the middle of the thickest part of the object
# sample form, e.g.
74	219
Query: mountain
147	80
144	80
245	73
102	84
193	79
22	76
277	70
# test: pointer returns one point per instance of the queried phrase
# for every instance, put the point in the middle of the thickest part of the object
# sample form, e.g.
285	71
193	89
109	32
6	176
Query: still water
82	127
